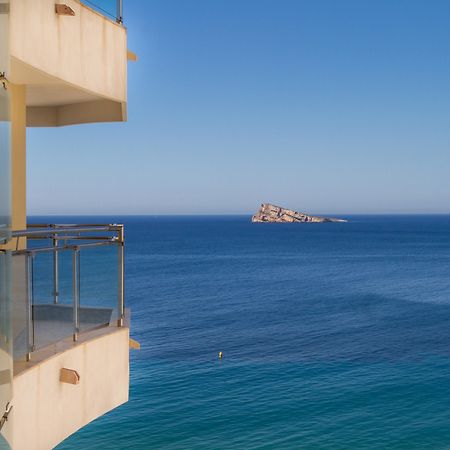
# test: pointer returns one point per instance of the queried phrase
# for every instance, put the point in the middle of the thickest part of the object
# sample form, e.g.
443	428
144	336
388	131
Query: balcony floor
53	323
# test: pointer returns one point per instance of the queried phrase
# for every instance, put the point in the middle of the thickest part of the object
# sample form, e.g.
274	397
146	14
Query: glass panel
22	338
52	317
109	8
5	331
98	286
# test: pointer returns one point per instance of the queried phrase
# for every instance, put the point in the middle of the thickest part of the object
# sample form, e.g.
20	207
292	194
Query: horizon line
236	214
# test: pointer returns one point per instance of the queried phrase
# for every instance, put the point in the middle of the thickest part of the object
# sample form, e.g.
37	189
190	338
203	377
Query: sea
333	335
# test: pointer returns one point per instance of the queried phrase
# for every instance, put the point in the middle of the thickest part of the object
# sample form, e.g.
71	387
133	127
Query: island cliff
272	213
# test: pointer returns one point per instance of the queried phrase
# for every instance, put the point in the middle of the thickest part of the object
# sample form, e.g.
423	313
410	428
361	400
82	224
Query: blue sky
322	106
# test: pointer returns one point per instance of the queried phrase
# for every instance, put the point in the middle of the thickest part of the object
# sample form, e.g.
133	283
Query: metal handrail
64	238
73	247
49	230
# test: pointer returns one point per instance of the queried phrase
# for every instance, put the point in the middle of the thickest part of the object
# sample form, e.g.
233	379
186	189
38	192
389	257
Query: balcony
67	283
73	61
70	332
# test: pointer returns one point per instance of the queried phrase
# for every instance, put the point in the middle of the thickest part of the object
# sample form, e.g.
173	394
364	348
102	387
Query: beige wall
46	411
87	51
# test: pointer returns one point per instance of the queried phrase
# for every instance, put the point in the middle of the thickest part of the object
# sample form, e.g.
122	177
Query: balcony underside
54	323
52	102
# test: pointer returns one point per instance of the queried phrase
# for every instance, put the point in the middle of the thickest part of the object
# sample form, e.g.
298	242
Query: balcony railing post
121	277
55	272
30	302
76	292
119	13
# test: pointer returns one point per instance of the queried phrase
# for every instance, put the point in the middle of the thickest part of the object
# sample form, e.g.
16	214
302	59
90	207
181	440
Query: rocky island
271	213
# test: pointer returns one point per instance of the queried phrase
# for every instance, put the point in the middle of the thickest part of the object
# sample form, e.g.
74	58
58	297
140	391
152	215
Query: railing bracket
4	80
64	10
135	345
5	416
69	376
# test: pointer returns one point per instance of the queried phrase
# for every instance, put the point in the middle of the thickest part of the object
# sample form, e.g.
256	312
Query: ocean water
334	336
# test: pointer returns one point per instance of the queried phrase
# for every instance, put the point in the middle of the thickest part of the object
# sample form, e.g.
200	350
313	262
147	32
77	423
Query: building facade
64	330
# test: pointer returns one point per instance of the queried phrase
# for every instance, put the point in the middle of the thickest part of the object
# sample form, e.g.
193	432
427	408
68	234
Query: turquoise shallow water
334	335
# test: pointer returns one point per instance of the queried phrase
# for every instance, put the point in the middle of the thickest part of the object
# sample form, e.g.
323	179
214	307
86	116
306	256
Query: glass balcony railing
69	281
109	8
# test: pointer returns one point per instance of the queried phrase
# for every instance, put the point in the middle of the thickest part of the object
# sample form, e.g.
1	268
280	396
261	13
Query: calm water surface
335	336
